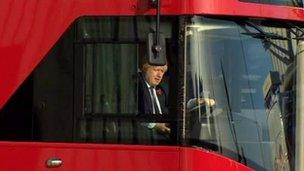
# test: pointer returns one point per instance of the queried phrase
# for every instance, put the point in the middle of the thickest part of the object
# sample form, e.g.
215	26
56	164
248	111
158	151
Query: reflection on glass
247	70
111	88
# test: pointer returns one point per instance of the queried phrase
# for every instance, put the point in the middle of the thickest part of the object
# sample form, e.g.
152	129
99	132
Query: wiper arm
262	34
298	37
266	36
230	117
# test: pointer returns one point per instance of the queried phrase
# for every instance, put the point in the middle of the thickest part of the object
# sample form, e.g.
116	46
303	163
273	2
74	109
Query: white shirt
152	125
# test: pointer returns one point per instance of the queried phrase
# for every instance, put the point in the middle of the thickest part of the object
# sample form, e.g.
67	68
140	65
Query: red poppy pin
159	91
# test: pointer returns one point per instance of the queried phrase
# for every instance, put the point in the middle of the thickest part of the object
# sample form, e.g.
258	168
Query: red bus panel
80	157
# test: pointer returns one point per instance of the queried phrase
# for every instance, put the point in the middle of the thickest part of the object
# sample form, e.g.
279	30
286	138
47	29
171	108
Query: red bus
68	85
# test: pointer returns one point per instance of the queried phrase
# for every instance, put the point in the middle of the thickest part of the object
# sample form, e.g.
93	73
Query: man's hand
162	128
195	102
209	102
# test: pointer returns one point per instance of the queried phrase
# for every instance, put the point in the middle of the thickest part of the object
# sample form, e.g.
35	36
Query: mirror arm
156	48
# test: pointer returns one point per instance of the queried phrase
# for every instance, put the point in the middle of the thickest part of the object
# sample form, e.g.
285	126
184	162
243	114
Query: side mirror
156	52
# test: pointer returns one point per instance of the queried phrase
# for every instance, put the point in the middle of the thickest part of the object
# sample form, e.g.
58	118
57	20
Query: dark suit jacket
144	98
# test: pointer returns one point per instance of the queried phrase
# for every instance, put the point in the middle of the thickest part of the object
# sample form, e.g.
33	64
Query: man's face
154	75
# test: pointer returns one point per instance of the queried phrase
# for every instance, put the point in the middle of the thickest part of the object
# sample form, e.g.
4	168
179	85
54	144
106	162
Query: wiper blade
298	36
262	34
230	117
266	36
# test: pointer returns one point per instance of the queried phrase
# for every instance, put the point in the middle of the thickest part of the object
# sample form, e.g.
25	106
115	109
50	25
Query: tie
153	99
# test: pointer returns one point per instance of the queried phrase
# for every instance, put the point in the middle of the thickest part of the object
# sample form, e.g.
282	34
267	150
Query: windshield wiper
241	158
262	34
298	36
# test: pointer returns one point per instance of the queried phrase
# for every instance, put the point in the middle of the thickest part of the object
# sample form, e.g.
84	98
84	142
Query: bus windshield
240	90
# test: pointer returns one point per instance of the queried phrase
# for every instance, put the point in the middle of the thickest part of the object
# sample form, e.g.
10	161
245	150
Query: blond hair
145	67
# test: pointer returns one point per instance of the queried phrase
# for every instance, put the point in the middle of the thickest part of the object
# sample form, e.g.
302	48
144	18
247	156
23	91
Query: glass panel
110	73
110	78
240	93
111	49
